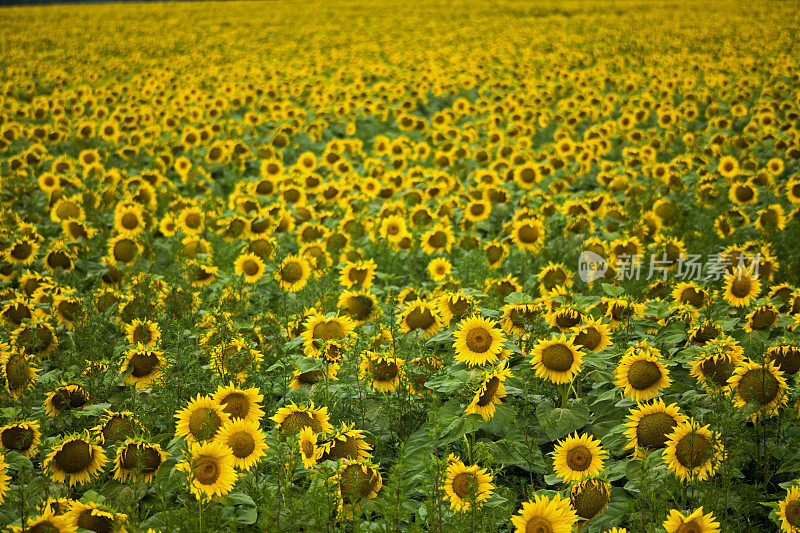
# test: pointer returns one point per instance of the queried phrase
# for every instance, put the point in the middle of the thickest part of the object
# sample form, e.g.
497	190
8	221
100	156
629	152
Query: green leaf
558	422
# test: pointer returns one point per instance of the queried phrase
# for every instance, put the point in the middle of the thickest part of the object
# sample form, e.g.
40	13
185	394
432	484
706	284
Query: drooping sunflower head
641	373
345	443
592	336
96	517
692	451
319	330
360	306
65	398
240	403
577	457
137	460
356	480
557	360
760	384
478	341
590	498
704	332
422	316
565	318
291	419
762	318
142	366
200	420
17	369
786	357
454	305
789	510
116	427
383	370
76	456
519	318
310	453
246	441
544	514
649	425
21	437
489	393
713	368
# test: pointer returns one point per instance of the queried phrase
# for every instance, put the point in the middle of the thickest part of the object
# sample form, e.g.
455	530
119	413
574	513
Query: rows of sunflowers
400	266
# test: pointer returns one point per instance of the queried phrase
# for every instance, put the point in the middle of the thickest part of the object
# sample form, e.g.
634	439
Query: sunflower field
449	266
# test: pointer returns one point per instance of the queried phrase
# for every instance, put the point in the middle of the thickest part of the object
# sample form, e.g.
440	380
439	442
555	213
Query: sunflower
246	441
528	234
345	443
200	420
291	419
21	437
320	330
138	461
128	218
21	251
439	268
490	392
728	167
554	275
743	193
116	427
478	341
454	305
565	318
641	374
47	521
96	517
741	287
496	251
760	384
234	359
240	404
123	250
517	318
65	398
142	366
360	274
210	468
577	457
467	486
713	368
543	514
689	293
76	456
250	266
310	453
17	371
293	273
361	306
382	370
590	498
786	357
355	481
437	239
191	220
5	479
649	424
789	511
557	360
762	317
592	336
422	315
142	331
693	452
696	522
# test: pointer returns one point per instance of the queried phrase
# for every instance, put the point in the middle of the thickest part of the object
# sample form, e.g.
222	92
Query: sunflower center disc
643	374
463	485
652	430
75	456
17	438
420	319
718	369
763	318
297	421
693	450
242	444
557	357
206	470
528	234
329	330
590	500
689	527
143	364
579	458
125	251
741	286
384	371
479	339
491	388
141	458
759	386
343	449
204	423
291	272
93	522
129	221
788	359
250	267
538	525
793	513
117	429
589	338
